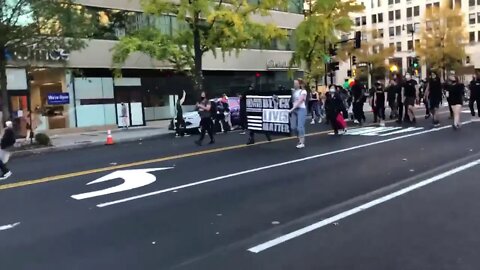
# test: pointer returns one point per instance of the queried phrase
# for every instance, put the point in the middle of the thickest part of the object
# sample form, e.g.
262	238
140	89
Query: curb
53	149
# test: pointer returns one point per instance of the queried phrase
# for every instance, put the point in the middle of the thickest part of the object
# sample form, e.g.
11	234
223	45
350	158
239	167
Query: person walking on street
180	123
228	116
8	140
456	91
410	93
315	107
220	111
124	115
379	98
204	109
334	107
433	96
299	113
358	100
424	99
475	94
392	99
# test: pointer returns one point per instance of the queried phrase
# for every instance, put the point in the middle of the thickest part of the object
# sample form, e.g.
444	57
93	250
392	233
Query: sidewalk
93	138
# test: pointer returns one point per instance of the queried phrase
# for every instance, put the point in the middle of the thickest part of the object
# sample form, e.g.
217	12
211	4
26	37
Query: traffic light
358	40
354	60
415	63
332	50
349	73
334	66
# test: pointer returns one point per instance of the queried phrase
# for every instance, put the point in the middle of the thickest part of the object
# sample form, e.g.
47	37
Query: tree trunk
198	72
3	86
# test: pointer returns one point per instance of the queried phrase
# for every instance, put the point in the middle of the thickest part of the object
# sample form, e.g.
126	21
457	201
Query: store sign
36	54
58	98
272	64
269	112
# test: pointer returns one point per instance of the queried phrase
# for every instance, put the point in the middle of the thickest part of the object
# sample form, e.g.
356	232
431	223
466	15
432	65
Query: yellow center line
143	162
156	160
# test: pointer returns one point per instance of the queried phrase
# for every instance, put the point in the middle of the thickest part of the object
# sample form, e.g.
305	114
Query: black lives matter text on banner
269	112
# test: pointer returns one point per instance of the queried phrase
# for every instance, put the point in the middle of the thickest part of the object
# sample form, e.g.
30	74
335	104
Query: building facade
398	25
77	89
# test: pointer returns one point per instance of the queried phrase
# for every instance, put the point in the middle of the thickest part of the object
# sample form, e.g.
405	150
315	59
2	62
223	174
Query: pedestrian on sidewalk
456	91
204	110
299	112
433	95
8	140
180	123
124	115
475	94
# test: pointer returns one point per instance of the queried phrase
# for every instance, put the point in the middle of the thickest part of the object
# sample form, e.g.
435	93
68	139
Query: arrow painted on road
9	226
132	179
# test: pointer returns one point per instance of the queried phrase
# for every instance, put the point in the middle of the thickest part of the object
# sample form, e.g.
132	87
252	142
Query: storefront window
50	100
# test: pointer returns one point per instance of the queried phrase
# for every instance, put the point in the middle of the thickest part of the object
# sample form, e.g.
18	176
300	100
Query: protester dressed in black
379	102
358	101
433	94
410	93
391	98
456	91
333	107
475	94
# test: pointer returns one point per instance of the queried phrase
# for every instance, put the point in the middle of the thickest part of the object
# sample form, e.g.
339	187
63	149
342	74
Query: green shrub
42	139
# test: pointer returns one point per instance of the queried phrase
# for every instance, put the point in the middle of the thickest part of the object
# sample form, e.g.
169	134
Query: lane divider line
268	167
363	207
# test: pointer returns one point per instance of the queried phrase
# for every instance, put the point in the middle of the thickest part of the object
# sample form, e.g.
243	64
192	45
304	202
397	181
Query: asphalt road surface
399	197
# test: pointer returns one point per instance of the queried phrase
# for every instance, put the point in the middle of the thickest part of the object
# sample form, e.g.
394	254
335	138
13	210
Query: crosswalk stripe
375	133
372	129
410	129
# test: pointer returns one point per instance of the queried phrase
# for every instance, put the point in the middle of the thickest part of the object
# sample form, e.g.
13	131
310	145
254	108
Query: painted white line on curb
268	167
330	220
9	226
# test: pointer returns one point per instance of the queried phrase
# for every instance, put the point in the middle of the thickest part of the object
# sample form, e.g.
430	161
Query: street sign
268	112
132	179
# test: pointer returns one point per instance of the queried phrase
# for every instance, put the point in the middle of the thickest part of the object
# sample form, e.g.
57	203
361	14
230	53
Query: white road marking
385	129
410	129
269	167
333	219
9	226
379	131
132	179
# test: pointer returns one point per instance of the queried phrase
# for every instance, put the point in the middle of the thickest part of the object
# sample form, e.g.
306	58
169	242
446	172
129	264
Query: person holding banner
298	113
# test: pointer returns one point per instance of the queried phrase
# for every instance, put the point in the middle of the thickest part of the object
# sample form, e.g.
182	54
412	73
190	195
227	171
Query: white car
192	119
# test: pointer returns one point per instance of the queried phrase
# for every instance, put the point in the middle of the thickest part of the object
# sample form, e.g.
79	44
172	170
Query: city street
398	197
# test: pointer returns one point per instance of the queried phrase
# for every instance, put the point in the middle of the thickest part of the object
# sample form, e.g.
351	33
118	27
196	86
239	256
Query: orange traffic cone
109	138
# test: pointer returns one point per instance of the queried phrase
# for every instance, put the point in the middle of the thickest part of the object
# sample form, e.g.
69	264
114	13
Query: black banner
269	111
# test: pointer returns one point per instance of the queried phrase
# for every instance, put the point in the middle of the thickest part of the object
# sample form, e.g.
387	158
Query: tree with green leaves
223	26
443	38
324	22
28	27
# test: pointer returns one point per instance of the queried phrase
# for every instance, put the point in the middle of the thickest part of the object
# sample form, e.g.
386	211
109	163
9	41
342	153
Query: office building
398	24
